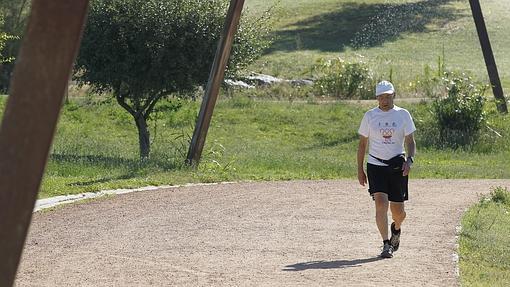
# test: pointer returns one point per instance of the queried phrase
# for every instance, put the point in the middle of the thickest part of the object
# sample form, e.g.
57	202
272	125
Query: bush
500	195
459	115
14	16
345	80
4	38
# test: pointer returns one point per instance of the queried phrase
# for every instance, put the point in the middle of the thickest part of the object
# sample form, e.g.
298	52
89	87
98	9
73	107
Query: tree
14	14
146	50
4	37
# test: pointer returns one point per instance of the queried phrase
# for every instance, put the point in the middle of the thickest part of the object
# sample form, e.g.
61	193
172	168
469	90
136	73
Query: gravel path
297	233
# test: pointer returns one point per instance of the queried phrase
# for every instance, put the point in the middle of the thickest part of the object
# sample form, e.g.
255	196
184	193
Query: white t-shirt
386	132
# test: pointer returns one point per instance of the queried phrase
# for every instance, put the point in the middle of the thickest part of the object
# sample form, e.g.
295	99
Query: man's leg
381	213
381	218
398	213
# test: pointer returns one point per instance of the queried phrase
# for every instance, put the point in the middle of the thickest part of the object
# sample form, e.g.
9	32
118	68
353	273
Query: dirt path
299	233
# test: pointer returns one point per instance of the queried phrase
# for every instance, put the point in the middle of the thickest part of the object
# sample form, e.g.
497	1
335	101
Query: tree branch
151	102
121	99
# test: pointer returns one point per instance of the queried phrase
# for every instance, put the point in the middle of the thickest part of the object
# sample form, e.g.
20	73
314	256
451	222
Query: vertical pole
215	79
38	86
490	62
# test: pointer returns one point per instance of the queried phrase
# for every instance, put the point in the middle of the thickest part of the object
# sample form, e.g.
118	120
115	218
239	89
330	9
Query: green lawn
484	242
398	35
96	146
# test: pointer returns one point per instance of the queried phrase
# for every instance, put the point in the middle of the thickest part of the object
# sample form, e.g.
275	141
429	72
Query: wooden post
38	86
215	79
490	62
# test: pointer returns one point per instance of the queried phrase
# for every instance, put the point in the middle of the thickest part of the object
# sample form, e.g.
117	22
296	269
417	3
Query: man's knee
400	216
381	202
398	211
381	197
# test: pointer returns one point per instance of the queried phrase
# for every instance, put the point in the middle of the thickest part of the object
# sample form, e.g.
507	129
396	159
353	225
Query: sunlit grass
96	142
484	241
308	30
96	146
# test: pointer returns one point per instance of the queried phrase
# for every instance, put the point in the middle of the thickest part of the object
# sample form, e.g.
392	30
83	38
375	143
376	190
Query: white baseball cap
384	87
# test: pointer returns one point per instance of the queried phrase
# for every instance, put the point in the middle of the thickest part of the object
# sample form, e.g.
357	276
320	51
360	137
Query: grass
398	35
484	241
96	145
96	148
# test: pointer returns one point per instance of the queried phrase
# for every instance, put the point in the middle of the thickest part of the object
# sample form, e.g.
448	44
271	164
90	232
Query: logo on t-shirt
387	130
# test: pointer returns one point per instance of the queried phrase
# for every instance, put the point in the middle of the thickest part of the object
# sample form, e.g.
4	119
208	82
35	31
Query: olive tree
146	50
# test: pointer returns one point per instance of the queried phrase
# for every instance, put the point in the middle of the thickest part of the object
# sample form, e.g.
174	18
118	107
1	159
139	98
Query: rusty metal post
38	85
215	79
490	62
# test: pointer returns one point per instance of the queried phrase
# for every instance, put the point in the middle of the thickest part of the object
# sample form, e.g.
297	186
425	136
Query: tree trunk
143	137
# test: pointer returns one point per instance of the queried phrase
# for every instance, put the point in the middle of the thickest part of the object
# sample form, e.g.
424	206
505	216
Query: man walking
385	130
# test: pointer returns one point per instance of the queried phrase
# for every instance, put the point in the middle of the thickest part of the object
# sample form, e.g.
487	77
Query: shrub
345	80
459	114
14	16
4	38
500	195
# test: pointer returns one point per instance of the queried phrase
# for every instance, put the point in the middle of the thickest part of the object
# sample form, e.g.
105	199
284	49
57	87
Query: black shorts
387	180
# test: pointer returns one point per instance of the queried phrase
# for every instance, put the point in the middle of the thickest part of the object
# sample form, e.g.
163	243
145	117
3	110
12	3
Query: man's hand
362	147
362	177
411	151
406	167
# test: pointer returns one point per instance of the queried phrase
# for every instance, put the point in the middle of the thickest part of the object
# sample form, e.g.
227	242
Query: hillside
400	36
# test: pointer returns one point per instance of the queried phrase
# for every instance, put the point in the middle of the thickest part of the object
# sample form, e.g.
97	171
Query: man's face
385	101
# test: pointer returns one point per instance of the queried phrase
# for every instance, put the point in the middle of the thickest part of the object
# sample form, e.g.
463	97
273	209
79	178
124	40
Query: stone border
50	202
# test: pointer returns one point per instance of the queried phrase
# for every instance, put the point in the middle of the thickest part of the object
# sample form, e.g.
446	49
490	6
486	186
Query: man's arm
410	144
362	148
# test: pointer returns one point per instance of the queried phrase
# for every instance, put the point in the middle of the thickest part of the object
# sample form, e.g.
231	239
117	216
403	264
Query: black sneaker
387	251
395	237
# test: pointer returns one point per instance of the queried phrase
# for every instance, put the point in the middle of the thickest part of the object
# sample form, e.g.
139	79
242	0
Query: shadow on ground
107	161
325	140
360	25
107	168
103	180
330	264
132	164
